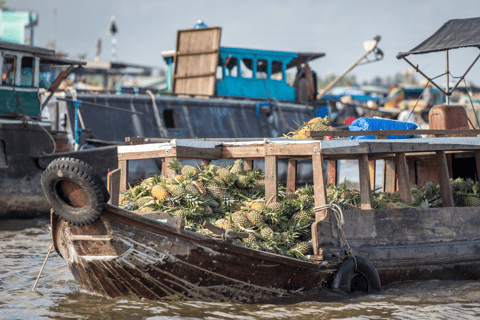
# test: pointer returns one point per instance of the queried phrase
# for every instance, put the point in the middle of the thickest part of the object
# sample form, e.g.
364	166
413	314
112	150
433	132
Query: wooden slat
320	194
389	174
271	179
292	150
139	155
241	152
196	61
366	201
113	186
123	167
372	171
166	171
444	179
248	164
403	179
477	162
292	176
199	153
332	172
315	134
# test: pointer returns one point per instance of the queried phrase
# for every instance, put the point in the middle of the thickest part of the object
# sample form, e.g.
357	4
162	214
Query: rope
50	250
340	221
25	119
428	82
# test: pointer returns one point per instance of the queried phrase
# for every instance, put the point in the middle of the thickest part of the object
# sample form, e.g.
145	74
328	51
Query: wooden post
123	166
291	176
444	179
477	162
248	164
372	171
450	163
365	191
113	186
320	194
332	172
403	179
166	171
271	179
205	163
389	170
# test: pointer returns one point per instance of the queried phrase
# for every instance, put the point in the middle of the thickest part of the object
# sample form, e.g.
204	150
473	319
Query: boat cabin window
277	70
8	70
27	71
170	118
3	154
231	67
246	68
262	69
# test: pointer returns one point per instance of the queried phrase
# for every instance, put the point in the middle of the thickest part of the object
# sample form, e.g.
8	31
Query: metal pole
447	87
334	82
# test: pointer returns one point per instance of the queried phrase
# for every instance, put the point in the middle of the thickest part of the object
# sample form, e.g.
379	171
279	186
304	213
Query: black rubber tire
85	177
343	278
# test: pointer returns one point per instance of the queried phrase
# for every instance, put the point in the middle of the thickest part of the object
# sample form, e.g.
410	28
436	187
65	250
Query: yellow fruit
160	193
257	205
314	120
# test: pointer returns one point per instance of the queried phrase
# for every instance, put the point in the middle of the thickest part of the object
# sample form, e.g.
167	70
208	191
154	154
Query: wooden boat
27	142
123	253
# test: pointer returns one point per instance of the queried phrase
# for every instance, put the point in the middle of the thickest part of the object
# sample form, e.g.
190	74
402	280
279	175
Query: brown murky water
23	244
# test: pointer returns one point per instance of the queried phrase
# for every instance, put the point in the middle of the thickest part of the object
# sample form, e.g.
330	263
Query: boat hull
125	254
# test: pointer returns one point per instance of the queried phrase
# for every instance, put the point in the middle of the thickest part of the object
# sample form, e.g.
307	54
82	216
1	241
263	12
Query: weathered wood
231	235
319	134
113	186
449	164
412	172
366	201
372	172
477	163
248	164
332	172
271	179
403	179
123	167
166	171
292	150
444	178
240	152
320	195
389	175
164	217
292	176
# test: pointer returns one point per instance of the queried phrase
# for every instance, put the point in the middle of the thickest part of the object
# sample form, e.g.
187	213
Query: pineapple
239	219
188	170
255	218
315	120
159	193
348	206
290	196
257	206
200	187
180	213
274	206
176	190
222	223
144	201
472	200
237	167
192	189
301	215
319	127
266	232
215	192
303	247
223	174
242	182
251	238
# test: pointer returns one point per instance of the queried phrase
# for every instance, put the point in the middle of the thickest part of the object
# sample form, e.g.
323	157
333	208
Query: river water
23	246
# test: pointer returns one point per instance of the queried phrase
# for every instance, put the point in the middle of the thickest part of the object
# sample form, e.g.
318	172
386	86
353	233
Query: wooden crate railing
382	134
366	152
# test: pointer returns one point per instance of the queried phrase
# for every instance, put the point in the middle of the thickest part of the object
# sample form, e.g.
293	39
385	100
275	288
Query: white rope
335	208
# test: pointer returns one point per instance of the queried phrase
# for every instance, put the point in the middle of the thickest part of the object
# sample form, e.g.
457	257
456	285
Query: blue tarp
372	124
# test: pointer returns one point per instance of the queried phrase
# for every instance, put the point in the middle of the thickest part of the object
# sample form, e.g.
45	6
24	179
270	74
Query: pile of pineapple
230	198
234	198
316	124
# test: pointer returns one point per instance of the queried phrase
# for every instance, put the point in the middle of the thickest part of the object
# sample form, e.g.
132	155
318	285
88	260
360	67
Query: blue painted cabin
252	73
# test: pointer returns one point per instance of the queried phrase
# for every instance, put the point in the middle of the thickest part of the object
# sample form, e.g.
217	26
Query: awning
454	34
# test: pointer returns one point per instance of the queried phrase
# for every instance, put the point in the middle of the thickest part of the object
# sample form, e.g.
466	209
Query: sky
337	28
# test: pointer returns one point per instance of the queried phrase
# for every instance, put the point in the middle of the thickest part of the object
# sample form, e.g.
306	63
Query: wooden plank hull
125	254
